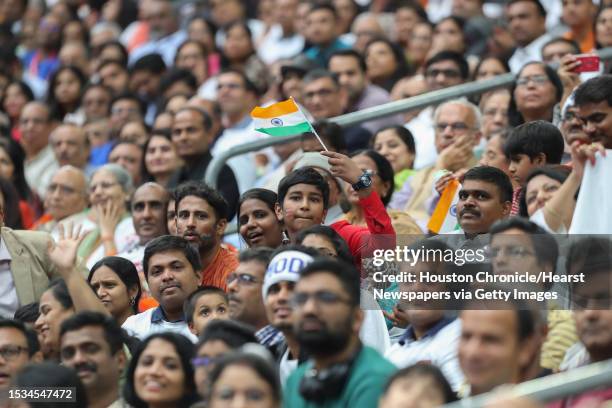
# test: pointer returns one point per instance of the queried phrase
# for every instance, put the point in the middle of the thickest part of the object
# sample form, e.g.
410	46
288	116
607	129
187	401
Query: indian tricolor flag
281	119
444	218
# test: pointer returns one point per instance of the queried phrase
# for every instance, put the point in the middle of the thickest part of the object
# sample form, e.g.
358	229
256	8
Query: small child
204	305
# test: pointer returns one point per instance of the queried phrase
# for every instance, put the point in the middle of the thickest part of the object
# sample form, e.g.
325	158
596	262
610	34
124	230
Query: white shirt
373	331
422	129
438	347
286	367
40	170
166	47
152	321
9	302
274	46
124	236
529	53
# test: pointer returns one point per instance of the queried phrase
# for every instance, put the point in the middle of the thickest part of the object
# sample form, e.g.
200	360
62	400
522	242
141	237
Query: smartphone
588	63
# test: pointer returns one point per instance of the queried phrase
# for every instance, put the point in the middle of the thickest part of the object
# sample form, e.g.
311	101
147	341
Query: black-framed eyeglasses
448	73
322	297
243	279
10	353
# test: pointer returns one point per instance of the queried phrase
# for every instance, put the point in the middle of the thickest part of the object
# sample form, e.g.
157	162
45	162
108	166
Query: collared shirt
529	53
269	336
422	128
154	320
437	346
165	46
275	45
9	302
374	95
321	55
40	169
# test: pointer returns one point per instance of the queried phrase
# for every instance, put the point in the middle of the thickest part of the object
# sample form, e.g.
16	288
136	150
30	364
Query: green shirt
368	376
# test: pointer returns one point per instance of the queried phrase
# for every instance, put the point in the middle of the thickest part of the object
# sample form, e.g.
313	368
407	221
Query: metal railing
550	388
387	109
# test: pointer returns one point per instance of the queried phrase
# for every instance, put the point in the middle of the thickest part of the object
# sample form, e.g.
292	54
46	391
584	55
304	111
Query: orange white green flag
281	119
444	218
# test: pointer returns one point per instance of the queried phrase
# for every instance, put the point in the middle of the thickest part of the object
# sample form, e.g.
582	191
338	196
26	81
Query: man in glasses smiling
18	347
327	322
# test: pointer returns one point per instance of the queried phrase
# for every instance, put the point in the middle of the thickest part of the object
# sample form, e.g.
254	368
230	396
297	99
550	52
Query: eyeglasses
511	252
322	297
204	361
243	279
455	127
448	73
10	353
229	86
119	111
105	185
34	121
537	79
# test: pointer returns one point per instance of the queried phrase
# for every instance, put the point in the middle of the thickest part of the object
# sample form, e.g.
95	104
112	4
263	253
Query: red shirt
379	233
224	263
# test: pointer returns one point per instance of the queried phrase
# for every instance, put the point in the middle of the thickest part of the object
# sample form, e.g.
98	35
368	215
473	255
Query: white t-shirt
438	347
151	321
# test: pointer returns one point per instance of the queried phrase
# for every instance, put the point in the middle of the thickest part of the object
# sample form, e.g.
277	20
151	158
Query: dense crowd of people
121	278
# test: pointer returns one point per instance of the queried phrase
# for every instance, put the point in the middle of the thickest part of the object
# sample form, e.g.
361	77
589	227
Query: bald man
71	146
65	200
149	203
35	125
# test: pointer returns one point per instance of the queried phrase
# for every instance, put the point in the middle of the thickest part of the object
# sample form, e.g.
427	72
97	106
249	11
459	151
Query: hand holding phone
588	63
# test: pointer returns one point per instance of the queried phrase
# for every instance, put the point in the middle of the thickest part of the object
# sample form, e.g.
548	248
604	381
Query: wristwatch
365	181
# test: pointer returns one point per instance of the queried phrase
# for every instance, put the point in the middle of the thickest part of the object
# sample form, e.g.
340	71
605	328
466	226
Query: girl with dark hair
535	94
55	306
116	282
541	185
160	159
247	375
164	357
9	203
11	168
239	53
421	384
603	27
382	182
65	90
258	224
191	55
326	241
448	35
16	96
386	63
203	31
396	144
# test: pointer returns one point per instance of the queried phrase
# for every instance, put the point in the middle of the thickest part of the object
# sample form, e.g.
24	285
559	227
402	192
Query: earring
132	301
286	240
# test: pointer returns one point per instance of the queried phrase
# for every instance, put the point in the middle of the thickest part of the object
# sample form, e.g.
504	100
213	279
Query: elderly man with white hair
65	201
457	133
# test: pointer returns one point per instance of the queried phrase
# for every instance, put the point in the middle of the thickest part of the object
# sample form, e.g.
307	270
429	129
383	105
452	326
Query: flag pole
311	127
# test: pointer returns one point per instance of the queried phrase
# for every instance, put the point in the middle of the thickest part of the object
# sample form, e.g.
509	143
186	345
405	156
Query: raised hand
581	153
343	167
109	215
63	253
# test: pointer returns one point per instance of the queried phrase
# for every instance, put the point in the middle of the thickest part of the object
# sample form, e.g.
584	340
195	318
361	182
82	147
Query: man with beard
341	372
149	203
594	102
172	270
92	344
201	218
278	287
